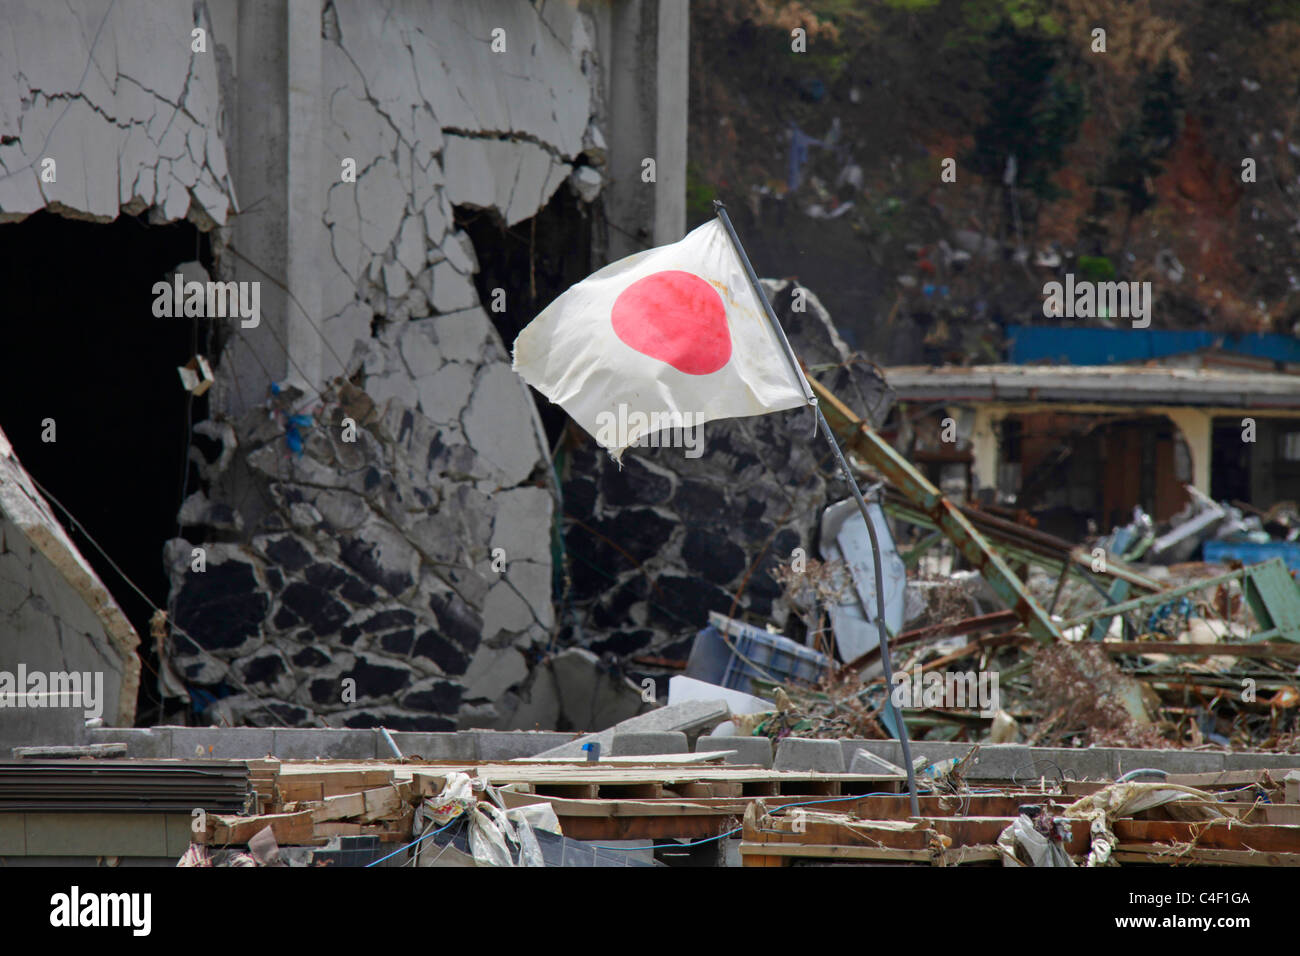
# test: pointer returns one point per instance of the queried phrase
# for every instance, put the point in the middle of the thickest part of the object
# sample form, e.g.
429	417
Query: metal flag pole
857	496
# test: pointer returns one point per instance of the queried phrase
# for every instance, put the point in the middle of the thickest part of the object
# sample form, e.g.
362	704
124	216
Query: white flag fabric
670	337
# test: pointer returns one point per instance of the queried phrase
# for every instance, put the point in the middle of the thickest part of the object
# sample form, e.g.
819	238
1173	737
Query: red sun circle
677	318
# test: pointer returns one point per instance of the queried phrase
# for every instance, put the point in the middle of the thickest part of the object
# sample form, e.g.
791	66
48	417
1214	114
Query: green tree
1030	112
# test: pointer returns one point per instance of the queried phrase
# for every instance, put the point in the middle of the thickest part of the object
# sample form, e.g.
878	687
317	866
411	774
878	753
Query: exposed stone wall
653	547
376	564
415	560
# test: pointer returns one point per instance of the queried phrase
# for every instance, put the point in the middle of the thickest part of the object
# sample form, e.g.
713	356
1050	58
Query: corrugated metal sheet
217	786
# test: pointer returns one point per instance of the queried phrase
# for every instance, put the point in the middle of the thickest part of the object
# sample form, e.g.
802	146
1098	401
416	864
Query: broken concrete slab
749	751
539	705
810	754
332	743
864	761
493	671
648	743
689	717
1259	761
683	688
59	615
591	697
223	743
98	751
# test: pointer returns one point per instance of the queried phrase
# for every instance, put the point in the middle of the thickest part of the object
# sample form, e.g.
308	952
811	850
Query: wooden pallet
777	840
623	782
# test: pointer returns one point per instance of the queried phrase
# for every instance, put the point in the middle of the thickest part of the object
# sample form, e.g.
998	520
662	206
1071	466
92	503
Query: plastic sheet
1041	850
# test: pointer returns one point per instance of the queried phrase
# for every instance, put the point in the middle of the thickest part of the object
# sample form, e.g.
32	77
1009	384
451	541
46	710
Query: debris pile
1217	819
525	812
1089	647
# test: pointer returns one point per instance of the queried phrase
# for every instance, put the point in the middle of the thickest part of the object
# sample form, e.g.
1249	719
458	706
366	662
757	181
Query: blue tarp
1248	552
1085	346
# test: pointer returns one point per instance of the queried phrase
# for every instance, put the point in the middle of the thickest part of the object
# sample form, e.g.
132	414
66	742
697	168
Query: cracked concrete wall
55	613
104	109
413	556
113	93
415	559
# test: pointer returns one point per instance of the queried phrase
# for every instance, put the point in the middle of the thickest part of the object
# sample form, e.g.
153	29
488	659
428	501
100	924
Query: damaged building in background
1083	425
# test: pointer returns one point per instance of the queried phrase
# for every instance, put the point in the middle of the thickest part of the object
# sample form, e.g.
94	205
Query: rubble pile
714	808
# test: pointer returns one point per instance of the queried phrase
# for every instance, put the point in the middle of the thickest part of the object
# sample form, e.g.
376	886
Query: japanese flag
669	337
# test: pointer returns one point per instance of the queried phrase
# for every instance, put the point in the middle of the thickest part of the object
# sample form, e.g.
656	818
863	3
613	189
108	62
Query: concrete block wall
242	743
1028	764
995	762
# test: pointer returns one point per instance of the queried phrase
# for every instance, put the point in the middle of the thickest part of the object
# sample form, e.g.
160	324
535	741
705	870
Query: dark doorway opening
533	261
1230	462
1145	463
79	344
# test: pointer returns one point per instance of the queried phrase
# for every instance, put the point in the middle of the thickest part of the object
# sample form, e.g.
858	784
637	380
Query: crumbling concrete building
354	523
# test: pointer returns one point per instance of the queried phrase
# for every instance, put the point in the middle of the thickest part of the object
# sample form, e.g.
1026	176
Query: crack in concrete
511	136
90	58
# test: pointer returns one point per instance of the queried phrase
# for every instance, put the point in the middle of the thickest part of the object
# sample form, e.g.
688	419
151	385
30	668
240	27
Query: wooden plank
69	752
1228	778
368	805
867	808
706	788
1137	853
657	760
827	829
984	831
1220	835
289	829
1081	788
614	808
970	854
833	852
1283	813
1266	651
301	791
385	803
676	827
603	771
294	784
340	807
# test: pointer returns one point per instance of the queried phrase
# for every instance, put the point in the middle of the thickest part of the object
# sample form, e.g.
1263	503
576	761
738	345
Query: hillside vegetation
1133	163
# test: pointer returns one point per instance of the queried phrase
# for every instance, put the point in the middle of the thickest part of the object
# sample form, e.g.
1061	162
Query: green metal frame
946	516
1270	591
